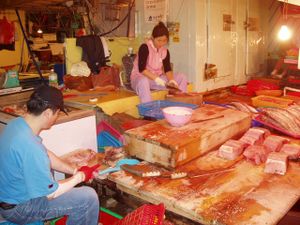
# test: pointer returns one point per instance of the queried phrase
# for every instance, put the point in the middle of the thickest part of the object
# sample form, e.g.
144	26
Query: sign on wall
155	10
174	28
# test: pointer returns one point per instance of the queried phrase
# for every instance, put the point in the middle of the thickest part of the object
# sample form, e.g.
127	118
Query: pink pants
142	85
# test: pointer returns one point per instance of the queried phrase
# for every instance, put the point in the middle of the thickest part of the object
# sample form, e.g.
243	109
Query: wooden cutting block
159	142
192	98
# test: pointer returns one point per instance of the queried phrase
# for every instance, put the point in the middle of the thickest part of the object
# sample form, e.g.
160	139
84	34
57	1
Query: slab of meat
113	155
79	157
293	151
253	136
274	143
276	163
231	149
256	154
265	131
17	109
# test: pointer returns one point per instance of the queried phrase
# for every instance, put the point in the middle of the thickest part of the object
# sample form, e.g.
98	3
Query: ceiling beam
31	4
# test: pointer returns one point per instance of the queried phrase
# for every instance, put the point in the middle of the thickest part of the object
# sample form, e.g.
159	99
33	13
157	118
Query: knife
211	173
153	172
134	170
206	119
173	87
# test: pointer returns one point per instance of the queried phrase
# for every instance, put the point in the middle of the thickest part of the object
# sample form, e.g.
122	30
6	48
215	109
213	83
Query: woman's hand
173	83
160	81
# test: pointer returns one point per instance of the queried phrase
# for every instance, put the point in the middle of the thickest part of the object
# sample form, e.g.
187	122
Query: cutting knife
153	172
211	173
172	87
206	119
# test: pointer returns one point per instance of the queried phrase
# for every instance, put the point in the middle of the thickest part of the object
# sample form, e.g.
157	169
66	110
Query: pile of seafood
287	119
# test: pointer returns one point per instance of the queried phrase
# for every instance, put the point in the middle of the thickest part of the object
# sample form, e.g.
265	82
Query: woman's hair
160	30
36	105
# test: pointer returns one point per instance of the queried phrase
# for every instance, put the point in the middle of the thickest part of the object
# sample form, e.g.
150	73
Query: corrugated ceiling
30	4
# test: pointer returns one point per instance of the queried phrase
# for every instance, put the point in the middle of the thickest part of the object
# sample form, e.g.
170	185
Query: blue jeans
35	223
81	205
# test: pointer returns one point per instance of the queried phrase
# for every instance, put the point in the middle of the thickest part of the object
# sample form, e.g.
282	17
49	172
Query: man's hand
160	81
88	171
173	83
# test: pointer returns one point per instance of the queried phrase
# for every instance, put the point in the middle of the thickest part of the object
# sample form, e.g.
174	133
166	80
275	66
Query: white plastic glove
160	81
173	83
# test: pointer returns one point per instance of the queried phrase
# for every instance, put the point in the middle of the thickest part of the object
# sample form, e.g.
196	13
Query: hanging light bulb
284	33
39	31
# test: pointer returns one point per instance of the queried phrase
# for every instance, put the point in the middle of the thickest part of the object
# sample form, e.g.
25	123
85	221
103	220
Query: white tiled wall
202	39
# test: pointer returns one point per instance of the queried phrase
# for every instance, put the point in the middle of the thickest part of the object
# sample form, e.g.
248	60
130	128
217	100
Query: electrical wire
179	11
105	26
122	21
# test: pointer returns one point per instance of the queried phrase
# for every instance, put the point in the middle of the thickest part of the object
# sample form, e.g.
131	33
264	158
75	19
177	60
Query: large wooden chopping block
192	98
159	142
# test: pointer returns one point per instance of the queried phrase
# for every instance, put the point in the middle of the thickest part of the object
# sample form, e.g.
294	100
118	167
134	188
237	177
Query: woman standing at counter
152	68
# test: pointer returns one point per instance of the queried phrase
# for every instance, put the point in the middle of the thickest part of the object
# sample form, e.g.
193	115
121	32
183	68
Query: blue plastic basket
104	139
153	109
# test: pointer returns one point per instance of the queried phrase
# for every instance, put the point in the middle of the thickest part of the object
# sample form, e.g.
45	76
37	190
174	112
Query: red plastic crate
145	215
107	219
104	218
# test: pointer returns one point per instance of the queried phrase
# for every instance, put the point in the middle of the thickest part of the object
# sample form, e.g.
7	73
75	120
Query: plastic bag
7	35
80	69
242	90
109	75
78	83
7	32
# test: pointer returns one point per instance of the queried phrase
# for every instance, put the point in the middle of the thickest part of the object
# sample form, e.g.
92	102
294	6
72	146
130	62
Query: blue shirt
25	171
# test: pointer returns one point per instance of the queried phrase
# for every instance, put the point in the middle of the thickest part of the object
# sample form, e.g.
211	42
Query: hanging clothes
7	34
105	47
93	52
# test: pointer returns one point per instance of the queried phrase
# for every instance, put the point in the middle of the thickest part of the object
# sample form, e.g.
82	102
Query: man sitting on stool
28	192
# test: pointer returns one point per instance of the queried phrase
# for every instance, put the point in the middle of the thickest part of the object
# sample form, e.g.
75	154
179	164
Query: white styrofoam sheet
69	136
